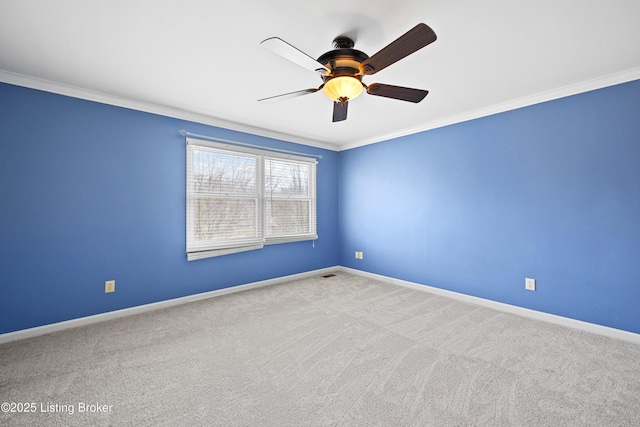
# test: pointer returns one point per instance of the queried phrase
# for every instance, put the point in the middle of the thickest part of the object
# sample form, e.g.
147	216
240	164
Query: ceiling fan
342	69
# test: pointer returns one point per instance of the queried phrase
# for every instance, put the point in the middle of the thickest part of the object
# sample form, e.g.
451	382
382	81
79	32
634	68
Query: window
240	199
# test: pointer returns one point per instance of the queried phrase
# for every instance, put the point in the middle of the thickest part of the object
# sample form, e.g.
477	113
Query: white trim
210	253
149	107
562	92
507	308
76	92
82	321
290	239
226	142
238	147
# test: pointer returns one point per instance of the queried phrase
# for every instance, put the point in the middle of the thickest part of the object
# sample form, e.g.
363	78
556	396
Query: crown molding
95	96
562	92
148	107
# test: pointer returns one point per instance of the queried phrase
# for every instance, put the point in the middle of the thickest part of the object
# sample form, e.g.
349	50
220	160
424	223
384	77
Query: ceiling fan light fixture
342	87
342	68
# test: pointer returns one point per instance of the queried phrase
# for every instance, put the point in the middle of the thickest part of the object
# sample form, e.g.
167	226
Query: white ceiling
202	60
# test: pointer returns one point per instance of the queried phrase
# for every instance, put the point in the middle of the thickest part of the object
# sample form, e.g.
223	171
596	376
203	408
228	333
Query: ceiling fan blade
286	96
413	40
295	55
340	111
397	92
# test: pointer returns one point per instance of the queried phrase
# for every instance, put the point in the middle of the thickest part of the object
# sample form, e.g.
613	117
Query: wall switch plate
109	286
530	284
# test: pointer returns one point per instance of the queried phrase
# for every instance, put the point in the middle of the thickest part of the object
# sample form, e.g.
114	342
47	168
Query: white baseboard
520	311
74	323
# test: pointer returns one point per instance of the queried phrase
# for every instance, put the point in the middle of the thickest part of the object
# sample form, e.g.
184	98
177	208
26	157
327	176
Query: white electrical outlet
530	284
359	255
109	286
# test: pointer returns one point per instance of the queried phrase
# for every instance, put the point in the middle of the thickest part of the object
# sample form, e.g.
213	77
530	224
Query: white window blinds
239	199
289	201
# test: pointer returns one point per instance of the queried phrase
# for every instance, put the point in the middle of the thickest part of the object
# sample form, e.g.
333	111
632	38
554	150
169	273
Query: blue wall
92	192
550	192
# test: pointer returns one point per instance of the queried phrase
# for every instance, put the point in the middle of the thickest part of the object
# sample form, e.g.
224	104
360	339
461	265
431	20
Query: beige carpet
340	351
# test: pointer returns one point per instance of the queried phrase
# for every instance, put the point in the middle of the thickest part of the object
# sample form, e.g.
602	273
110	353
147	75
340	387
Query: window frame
200	250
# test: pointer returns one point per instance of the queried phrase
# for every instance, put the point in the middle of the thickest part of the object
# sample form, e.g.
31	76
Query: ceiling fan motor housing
343	60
